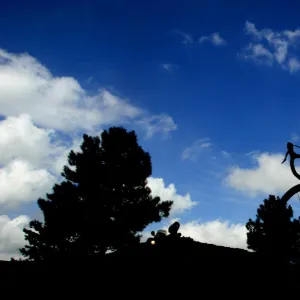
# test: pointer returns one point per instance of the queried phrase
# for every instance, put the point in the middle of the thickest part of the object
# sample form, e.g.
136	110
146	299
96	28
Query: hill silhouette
173	266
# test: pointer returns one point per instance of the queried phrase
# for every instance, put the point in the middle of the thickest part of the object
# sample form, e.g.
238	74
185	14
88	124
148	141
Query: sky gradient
211	88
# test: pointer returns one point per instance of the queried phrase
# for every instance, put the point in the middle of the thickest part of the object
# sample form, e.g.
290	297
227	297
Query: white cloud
258	53
273	47
187	38
31	160
215	38
20	182
218	40
251	29
216	232
45	117
60	103
163	124
12	236
181	203
293	36
193	152
20	138
267	176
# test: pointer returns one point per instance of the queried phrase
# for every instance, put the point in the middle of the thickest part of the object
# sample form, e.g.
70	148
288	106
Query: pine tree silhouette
275	231
102	204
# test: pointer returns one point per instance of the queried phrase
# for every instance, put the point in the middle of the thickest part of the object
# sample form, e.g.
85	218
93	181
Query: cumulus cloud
20	138
20	183
215	38
12	236
272	47
181	203
193	152
60	103
45	117
26	86
266	176
31	160
216	232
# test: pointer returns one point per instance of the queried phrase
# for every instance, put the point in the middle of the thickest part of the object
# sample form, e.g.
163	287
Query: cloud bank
43	117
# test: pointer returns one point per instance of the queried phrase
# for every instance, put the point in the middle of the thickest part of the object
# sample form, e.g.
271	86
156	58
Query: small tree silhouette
275	231
102	204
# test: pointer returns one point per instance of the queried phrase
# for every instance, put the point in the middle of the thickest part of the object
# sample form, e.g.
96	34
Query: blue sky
211	89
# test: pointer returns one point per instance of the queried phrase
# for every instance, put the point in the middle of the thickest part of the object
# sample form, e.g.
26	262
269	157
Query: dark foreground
198	270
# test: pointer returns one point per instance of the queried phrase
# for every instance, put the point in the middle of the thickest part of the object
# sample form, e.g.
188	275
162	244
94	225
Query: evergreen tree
275	231
103	203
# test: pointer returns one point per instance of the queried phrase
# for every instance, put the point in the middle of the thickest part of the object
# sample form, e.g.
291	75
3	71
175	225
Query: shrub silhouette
102	204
